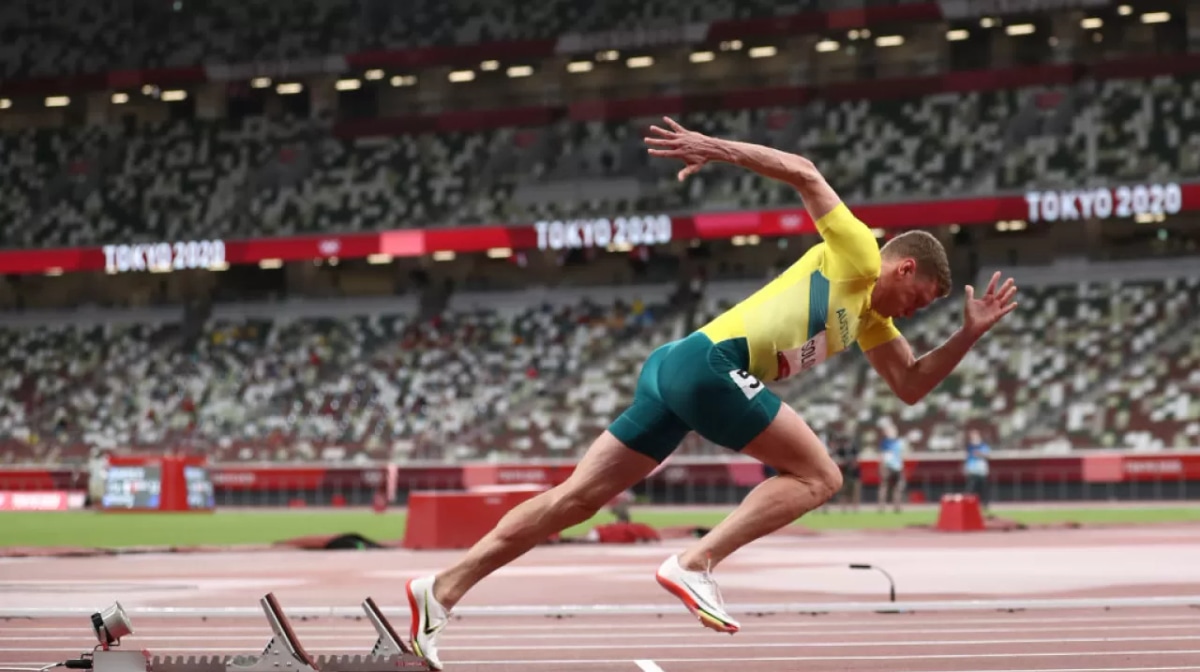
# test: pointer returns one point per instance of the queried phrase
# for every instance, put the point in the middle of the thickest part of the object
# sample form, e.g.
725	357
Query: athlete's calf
608	469
807	479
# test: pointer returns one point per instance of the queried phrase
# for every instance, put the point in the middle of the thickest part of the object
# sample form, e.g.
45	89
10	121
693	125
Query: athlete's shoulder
853	249
874	330
840	213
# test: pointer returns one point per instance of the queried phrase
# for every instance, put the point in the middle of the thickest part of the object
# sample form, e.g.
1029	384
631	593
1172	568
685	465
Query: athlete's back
814	309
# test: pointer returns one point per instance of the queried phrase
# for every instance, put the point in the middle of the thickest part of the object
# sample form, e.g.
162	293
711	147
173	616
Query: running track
777	571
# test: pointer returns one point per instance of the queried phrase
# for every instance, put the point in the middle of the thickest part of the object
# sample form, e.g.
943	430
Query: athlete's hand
676	142
980	315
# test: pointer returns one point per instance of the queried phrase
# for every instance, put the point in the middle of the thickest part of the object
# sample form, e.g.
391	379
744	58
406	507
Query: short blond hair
927	251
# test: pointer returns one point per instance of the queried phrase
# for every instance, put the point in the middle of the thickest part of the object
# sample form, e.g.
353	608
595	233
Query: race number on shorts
749	385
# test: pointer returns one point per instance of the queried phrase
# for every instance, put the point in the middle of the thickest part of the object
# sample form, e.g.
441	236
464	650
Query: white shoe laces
706	578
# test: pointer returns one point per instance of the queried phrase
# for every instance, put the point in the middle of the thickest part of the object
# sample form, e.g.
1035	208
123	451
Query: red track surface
1081	640
1127	639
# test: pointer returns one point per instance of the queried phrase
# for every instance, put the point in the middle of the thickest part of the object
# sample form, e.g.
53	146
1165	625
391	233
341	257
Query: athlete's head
915	273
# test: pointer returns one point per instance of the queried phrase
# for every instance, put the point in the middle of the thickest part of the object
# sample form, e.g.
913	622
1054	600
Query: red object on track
960	513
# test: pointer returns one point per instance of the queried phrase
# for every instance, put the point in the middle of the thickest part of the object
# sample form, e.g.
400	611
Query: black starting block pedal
283	653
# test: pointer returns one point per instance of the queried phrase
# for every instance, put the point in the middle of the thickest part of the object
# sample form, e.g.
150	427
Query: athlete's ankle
693	562
444	593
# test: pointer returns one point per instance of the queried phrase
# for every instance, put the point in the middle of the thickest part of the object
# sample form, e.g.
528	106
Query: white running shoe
699	593
428	619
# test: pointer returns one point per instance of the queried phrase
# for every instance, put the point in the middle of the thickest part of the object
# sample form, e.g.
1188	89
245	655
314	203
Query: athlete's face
901	291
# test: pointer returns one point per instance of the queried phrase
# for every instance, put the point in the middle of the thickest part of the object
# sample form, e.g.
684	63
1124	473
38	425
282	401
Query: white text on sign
164	257
1102	203
602	232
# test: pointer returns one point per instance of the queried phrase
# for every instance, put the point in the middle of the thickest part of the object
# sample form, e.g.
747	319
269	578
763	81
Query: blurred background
339	250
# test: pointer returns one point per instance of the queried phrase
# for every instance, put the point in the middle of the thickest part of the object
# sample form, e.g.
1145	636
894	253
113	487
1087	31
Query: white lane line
808	624
1085	669
653	609
739	645
41	663
844	644
647	666
794	659
641	633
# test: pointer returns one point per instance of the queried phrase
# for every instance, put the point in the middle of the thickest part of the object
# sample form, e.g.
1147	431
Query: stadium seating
1032	365
283	176
172	181
62	37
1125	130
287	176
1025	387
1151	406
505	379
279	388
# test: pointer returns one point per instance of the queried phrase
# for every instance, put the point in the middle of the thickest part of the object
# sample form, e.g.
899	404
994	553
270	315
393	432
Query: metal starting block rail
283	653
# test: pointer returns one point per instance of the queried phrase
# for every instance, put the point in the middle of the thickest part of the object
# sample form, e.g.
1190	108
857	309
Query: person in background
97	477
845	454
976	466
891	469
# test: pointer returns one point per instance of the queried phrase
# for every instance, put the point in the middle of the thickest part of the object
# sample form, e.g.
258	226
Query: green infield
91	529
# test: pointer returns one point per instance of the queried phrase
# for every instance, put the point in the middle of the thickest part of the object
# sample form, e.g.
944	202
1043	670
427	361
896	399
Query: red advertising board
42	478
1160	467
933	469
1063	206
296	478
41	500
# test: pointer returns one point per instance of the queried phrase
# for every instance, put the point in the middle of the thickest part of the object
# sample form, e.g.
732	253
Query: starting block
283	653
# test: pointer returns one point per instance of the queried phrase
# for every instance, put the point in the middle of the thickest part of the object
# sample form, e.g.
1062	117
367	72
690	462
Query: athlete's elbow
912	399
909	394
803	173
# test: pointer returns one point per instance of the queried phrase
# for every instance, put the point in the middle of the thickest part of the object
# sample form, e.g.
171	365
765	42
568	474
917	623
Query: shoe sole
708	620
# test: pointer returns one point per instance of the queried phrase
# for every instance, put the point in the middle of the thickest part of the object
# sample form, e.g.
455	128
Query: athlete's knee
822	480
829	481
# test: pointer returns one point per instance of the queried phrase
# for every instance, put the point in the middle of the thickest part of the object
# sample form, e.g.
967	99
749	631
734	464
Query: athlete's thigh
789	445
607	469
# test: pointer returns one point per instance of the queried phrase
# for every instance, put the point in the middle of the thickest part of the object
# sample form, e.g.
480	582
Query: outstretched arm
696	150
912	378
